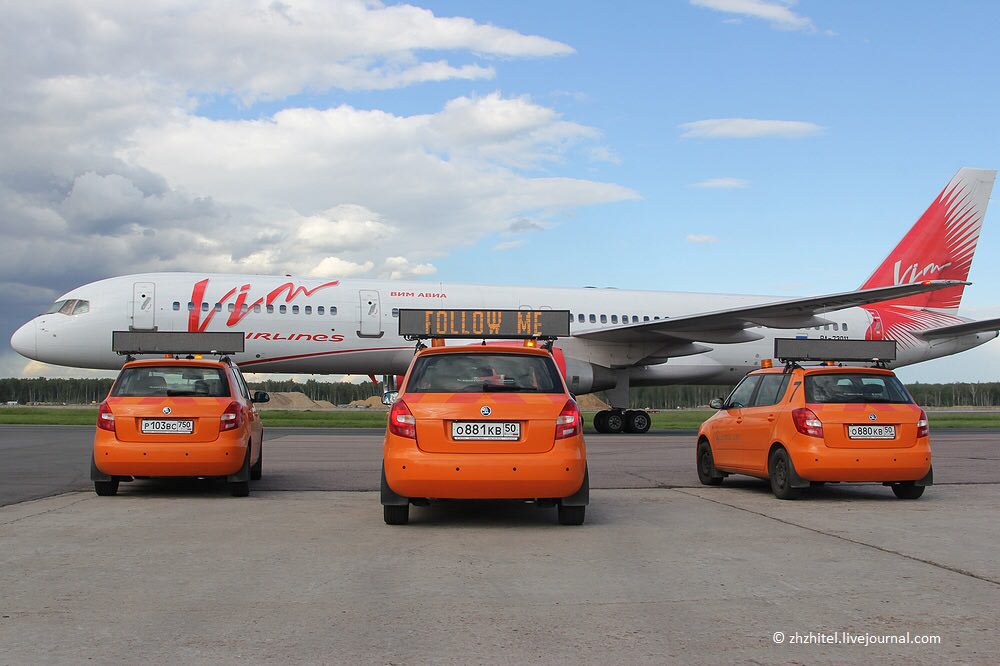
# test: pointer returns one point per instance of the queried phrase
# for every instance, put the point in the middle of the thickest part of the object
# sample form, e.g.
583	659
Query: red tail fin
941	244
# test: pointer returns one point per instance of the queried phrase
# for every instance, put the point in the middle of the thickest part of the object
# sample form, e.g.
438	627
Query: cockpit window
72	306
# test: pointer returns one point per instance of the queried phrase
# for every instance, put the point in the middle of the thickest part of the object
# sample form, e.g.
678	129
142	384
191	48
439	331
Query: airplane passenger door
370	325
143	306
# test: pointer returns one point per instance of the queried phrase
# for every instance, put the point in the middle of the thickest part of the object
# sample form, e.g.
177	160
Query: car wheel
779	472
257	469
907	490
637	421
106	488
601	421
614	423
396	514
707	474
242	488
572	515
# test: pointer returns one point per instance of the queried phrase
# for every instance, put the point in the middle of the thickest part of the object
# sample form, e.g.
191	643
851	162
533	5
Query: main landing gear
613	421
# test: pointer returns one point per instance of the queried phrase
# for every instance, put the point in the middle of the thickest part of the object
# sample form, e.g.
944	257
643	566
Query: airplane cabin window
190	306
604	319
283	309
844	326
244	308
645	317
270	309
395	312
656	318
204	306
177	306
635	319
319	309
256	308
614	319
836	326
581	318
231	307
333	309
308	309
295	309
218	307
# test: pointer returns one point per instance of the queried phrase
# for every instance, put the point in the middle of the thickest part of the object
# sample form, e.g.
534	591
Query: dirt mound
590	402
293	400
374	402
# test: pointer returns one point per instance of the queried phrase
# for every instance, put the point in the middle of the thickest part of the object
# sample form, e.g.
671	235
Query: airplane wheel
637	421
601	421
615	422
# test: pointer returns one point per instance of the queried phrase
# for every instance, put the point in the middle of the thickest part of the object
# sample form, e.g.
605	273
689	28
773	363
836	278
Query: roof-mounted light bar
848	351
134	343
483	324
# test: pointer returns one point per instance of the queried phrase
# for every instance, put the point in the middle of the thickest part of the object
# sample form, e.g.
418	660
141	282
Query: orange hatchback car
484	422
178	417
799	427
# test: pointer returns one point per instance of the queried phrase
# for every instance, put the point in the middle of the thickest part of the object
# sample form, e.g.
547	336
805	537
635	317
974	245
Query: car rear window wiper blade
508	387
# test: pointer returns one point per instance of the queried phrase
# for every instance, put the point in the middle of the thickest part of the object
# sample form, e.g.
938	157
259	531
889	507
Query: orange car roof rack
793	351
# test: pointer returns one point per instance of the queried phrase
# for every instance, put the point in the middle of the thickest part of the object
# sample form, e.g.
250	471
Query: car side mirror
716	403
260	396
390	397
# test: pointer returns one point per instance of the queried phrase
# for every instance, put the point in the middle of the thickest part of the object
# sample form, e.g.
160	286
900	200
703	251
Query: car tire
601	421
637	421
257	469
907	491
242	488
707	473
614	422
396	514
780	473
106	488
572	515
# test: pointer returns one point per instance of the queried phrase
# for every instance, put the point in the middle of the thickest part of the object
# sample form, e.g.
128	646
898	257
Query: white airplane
618	338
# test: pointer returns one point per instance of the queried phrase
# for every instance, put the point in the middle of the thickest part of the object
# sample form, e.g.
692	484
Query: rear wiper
507	387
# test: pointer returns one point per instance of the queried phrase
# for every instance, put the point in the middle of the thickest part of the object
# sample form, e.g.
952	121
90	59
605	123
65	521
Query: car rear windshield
484	373
855	388
163	381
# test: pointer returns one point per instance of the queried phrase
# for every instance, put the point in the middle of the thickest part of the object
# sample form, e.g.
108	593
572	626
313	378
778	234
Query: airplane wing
967	328
728	326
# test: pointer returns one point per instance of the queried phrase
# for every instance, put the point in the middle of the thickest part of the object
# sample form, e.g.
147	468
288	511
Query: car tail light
232	418
105	419
401	421
807	422
569	423
923	426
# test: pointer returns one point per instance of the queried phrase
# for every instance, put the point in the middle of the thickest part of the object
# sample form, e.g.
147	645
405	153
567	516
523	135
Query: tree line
86	391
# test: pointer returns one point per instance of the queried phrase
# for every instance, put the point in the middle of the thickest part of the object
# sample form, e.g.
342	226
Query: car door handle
771	417
739	419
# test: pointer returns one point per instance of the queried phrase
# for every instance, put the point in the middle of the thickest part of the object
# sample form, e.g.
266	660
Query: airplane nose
24	341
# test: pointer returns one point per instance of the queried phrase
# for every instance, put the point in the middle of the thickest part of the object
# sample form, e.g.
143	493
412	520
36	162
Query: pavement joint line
889	551
53	509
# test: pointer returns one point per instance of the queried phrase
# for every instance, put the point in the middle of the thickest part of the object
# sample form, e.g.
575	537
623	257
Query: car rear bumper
169	457
816	462
557	473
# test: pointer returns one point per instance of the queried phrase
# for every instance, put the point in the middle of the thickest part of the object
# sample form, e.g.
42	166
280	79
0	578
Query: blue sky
890	99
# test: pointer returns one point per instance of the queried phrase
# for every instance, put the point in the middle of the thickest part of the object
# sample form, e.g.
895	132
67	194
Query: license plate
491	430
871	431
168	426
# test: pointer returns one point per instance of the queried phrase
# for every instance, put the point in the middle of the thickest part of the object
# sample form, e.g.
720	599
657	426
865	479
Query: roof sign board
483	323
787	349
176	342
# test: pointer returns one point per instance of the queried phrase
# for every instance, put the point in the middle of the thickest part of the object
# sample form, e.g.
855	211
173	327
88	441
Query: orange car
484	422
178	417
799	427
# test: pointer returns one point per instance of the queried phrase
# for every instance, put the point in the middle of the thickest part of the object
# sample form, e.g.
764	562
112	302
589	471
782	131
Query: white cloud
748	128
336	267
779	14
604	154
398	268
508	245
722	184
701	238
